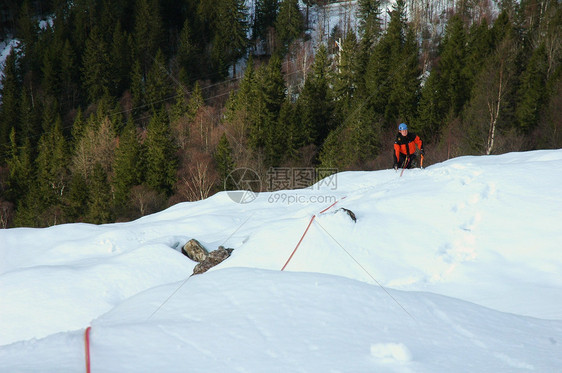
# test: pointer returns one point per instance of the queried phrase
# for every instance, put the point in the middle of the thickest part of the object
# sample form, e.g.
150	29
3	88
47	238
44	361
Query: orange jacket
406	145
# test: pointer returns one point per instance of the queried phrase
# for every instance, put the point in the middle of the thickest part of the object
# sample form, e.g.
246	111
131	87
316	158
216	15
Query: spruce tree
187	52
452	63
99	197
447	89
370	23
195	102
316	100
479	47
9	108
68	77
370	28
264	112
432	107
291	126
289	23
157	83
230	29
96	78
148	33
27	31
240	107
138	89
403	100
160	154
20	168
378	78
225	163
265	14
127	165
52	174
180	107
347	72
121	60
532	90
352	143
29	117
76	199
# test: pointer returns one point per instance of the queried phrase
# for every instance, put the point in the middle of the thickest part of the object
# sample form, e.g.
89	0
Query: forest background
115	109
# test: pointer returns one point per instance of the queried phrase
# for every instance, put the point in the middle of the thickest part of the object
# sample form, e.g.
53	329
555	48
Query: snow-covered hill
456	267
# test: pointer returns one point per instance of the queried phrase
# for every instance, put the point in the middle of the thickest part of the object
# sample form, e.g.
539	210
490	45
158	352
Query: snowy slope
456	267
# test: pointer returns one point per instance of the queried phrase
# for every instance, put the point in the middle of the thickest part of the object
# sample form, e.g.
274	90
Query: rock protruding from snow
195	251
214	258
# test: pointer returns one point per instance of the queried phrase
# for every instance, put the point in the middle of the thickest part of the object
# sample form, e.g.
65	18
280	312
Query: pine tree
160	154
346	76
352	143
9	109
96	79
230	29
402	65
78	127
52	174
121	59
239	109
479	47
225	163
148	33
377	84
405	93
370	29
531	91
157	83
195	102
76	199
291	126
447	89
187	52
315	100
270	94
127	165
138	89
289	23
68	76
370	23
29	117
180	107
99	197
451	65
432	108
264	17
27	30
50	64
20	169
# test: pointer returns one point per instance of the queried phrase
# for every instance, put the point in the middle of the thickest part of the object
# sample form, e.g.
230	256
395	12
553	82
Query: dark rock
350	213
195	251
214	258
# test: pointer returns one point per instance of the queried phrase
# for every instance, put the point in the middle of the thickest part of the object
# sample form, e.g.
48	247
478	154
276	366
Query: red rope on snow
329	207
87	346
304	234
306	230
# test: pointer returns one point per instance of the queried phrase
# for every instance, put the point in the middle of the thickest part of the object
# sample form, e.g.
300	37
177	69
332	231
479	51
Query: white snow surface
453	268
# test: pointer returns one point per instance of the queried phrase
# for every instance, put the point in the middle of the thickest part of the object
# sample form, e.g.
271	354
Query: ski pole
405	165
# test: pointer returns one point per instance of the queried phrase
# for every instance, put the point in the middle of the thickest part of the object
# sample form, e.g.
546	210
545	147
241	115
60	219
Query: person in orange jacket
404	153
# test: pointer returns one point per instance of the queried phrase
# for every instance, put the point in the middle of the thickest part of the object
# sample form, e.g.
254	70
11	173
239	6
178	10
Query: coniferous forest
113	109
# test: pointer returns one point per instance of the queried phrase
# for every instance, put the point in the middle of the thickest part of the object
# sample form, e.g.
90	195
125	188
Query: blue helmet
402	127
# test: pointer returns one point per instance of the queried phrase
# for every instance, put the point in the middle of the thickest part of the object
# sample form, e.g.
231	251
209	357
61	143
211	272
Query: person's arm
395	155
419	143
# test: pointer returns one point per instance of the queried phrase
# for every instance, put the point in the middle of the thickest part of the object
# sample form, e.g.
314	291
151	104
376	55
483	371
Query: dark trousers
404	163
